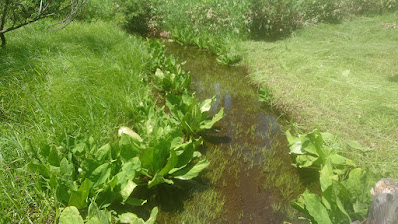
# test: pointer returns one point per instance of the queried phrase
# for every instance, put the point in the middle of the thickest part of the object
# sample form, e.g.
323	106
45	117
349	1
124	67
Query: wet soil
235	147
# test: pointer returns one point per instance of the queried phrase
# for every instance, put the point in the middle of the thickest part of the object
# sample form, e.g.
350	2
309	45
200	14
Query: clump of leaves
265	95
71	215
85	171
171	82
345	189
192	116
163	151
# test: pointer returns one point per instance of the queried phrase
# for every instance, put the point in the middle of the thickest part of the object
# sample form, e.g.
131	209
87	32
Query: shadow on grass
393	78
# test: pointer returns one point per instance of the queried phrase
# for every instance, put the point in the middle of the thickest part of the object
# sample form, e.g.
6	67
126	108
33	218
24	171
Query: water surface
235	188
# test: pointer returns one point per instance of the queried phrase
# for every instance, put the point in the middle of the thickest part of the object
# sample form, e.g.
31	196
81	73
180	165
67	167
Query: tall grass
56	86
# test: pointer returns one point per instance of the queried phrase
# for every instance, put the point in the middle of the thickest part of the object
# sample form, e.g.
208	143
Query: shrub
274	18
135	14
98	9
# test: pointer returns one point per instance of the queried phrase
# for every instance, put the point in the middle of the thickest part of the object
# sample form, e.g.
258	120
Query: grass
339	78
82	80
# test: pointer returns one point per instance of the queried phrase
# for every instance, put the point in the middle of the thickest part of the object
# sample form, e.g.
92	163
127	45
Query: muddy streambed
250	179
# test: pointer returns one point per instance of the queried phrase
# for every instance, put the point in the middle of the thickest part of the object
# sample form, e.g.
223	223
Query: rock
384	208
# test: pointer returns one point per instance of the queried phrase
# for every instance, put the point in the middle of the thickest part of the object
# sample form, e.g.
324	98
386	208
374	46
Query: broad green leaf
42	169
128	170
53	157
79	198
327	176
315	208
103	153
337	159
87	167
146	157
100	175
44	152
185	155
97	216
66	169
207	124
70	215
306	161
80	148
205	106
128	148
191	171
152	217
342	209
296	148
160	155
171	163
32	152
127	189
188	99
130	218
158	179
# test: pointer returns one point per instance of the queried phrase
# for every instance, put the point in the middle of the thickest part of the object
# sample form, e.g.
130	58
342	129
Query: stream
247	150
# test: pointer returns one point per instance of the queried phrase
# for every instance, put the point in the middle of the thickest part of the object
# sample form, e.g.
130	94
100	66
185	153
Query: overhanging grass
339	78
82	80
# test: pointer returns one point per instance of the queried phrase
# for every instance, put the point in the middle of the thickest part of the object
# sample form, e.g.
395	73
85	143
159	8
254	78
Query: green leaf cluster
192	116
159	148
172	82
345	189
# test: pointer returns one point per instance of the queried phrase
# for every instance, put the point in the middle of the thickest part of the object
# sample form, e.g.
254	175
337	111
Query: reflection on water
242	136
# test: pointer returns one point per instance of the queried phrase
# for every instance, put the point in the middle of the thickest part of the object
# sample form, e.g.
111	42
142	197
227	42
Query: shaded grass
339	78
56	86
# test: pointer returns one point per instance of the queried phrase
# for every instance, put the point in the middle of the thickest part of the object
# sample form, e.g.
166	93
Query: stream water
241	185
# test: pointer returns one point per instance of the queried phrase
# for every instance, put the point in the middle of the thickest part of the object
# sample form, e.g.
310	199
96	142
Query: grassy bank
339	78
56	86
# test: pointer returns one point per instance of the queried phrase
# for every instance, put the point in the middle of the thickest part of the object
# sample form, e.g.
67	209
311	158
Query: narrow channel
240	186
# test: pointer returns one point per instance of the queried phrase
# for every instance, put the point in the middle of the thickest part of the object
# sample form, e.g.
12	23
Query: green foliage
345	189
172	82
216	25
84	171
71	215
98	10
136	14
265	96
16	14
55	87
192	116
273	19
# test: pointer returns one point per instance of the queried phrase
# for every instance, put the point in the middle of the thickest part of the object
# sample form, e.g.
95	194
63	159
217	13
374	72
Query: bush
331	11
135	15
98	10
274	18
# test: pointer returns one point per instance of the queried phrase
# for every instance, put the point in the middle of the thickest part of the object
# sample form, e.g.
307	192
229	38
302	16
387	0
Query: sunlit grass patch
338	78
57	85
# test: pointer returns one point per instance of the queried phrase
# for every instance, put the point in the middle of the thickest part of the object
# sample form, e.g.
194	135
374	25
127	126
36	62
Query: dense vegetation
219	25
64	127
90	113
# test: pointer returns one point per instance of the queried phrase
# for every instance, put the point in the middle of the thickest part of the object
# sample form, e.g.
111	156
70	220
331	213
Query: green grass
82	80
340	78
